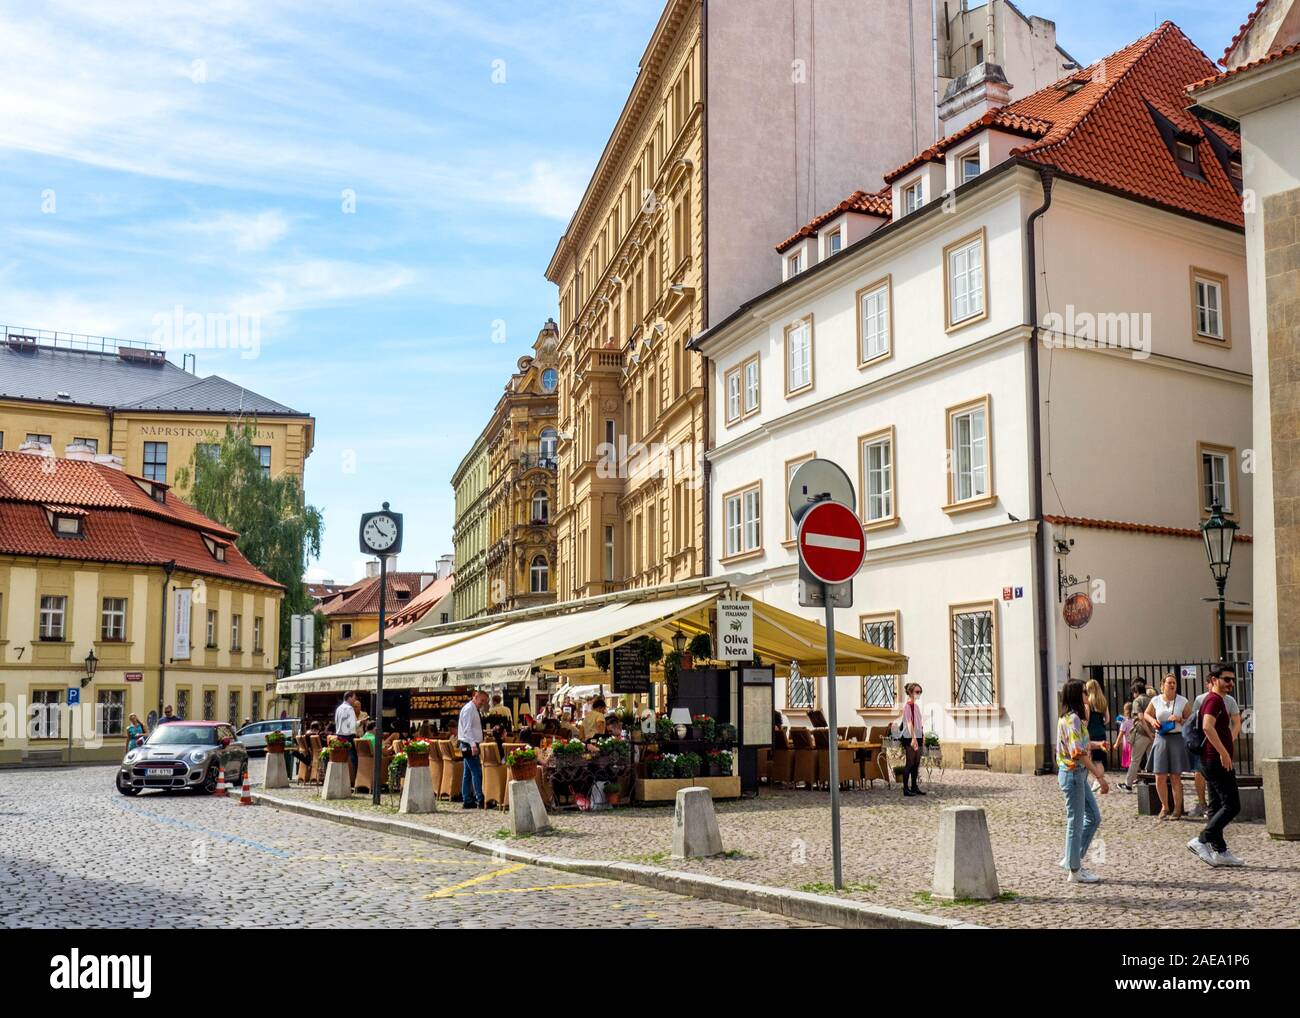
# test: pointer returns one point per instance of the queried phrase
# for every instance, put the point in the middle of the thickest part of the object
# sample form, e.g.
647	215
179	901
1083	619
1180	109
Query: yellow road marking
527	890
482	878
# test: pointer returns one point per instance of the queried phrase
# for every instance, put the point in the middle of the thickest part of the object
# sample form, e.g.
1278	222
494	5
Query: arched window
546	447
541	507
540	575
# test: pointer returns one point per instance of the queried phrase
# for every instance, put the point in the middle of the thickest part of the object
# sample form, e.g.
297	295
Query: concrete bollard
338	781
1282	797
417	791
695	826
277	776
527	812
963	864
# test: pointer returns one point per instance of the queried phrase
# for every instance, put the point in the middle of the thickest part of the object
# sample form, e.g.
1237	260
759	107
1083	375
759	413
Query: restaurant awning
509	647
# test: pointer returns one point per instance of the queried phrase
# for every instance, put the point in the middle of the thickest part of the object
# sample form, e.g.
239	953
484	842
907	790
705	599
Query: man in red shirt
1225	803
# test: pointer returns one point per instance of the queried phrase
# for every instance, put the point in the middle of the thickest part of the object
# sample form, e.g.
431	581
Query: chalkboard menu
631	669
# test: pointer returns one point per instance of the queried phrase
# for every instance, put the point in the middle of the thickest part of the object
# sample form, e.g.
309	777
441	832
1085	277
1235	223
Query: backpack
1193	733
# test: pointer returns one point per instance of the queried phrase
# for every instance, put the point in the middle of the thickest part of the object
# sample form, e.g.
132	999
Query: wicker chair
452	770
494	774
805	757
317	772
848	766
781	766
879	734
365	766
435	768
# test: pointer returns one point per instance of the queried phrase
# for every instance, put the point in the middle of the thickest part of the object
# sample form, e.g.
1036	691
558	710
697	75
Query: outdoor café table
865	753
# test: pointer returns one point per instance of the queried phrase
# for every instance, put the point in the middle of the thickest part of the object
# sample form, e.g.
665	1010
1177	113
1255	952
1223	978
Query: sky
376	187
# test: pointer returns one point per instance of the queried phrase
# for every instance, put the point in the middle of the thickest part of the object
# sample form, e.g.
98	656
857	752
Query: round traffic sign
818	480
831	542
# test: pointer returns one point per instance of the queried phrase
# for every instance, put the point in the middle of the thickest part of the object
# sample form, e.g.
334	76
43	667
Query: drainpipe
168	568
1043	618
706	567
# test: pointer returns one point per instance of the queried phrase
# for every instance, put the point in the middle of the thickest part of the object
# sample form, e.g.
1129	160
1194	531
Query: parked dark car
184	754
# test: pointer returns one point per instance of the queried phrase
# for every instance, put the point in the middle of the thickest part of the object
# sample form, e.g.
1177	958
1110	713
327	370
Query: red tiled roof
362	598
1246	26
121	523
414	611
1096	125
862	202
1214	79
1137	528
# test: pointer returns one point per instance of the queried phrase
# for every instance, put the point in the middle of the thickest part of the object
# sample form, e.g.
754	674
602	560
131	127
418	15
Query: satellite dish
817	480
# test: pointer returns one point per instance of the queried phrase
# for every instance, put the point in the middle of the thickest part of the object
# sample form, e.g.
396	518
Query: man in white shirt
469	734
345	727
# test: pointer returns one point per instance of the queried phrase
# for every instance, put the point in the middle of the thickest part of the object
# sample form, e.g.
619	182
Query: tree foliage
278	530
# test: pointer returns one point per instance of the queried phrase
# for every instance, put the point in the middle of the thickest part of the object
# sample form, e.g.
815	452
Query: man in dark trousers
1216	753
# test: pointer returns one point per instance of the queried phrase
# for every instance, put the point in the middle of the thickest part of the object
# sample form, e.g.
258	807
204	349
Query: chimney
426	579
79	451
445	563
37	449
107	459
969	96
372	569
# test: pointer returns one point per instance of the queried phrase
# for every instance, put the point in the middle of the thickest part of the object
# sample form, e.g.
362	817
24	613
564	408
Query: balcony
530	461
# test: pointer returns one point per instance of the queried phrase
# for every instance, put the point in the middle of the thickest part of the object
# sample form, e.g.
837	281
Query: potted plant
705	727
567	749
325	757
611	792
417	753
701	646
727	734
664	766
612	748
688	765
275	741
719	761
338	750
397	769
665	727
932	745
601	657
522	763
672	665
652	650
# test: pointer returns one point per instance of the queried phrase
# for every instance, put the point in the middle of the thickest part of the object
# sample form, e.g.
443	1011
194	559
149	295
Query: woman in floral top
1073	749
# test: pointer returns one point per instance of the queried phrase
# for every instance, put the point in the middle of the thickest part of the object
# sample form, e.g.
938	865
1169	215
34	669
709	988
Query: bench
1250	787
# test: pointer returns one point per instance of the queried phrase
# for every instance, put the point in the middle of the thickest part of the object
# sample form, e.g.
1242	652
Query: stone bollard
338	781
527	813
277	776
1282	797
695	827
963	864
417	791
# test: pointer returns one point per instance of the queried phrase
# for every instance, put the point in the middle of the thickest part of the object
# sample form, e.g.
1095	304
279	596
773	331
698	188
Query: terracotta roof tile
1137	528
1246	26
362	598
412	613
1214	79
120	522
865	203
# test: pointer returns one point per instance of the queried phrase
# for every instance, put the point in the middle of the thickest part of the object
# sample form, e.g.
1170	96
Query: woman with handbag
911	732
1166	714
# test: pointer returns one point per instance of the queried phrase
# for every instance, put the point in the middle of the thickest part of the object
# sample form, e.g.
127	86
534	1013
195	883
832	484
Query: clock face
380	532
550	378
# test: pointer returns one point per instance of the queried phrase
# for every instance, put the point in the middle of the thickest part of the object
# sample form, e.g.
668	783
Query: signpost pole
832	752
378	744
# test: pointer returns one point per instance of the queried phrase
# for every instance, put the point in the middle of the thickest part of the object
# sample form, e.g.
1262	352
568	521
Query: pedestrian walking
912	732
469	736
168	715
1198	762
1141	735
1213	738
1167	714
1098	732
1073	752
1125	726
135	730
345	727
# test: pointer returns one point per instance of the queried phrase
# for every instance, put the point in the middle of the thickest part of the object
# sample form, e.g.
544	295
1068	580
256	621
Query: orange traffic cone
221	782
245	793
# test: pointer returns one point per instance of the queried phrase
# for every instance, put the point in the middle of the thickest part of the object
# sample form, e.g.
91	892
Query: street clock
381	532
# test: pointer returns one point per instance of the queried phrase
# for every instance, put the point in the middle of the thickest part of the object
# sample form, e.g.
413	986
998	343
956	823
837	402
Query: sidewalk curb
816	908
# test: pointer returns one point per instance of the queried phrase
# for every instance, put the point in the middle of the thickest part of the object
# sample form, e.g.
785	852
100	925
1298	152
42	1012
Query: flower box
417	759
665	789
339	754
526	771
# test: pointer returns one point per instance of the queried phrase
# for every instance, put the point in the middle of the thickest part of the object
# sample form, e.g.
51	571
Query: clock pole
379	682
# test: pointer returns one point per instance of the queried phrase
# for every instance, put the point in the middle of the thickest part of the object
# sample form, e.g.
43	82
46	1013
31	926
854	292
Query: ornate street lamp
1219	534
92	663
679	641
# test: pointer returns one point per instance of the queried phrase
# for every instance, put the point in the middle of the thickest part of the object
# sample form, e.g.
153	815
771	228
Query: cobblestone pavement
74	853
783	838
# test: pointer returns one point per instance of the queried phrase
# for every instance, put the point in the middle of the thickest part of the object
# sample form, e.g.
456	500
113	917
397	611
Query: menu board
631	669
443	705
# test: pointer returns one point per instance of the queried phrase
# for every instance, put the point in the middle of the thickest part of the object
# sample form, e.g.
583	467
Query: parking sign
74	696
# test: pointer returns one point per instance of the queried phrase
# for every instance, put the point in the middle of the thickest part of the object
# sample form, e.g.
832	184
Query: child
1125	726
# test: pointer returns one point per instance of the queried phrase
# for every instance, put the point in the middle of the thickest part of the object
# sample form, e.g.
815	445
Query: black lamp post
92	663
1219	534
679	641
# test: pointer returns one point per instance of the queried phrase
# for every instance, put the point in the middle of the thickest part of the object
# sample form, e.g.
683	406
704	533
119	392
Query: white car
253	736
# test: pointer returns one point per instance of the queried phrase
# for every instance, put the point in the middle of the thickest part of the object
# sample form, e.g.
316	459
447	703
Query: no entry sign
831	542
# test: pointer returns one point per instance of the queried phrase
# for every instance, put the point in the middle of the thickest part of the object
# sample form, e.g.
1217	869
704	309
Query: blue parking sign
74	696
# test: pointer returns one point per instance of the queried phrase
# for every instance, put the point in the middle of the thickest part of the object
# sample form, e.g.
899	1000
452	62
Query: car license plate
158	772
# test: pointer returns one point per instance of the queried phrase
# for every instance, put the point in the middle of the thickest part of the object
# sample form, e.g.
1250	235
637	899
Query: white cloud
243	232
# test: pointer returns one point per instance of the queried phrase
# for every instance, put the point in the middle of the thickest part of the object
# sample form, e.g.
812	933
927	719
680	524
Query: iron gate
1116	680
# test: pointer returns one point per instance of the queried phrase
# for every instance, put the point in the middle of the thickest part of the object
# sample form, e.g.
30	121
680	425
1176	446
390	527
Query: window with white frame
913	196
110	705
44	712
211	641
968	451
794	264
973	658
743	521
873	322
835	242
965	279
798	356
751	376
1239	648
878	477
539	575
1216	478
546	444
54	611
112	620
236	632
733	396
969	166
541	507
257	634
880	692
1209	290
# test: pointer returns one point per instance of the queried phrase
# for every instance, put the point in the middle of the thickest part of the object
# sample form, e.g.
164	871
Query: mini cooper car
183	754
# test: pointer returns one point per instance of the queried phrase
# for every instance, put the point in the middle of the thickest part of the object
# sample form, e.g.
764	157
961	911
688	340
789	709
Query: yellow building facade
630	493
522	440
470	535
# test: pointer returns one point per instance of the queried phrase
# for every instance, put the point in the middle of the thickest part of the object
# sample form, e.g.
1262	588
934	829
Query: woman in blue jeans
1073	749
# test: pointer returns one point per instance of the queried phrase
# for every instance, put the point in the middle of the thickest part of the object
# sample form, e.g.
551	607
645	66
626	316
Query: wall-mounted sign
1077	610
735	640
181	624
1187	671
133	676
631	671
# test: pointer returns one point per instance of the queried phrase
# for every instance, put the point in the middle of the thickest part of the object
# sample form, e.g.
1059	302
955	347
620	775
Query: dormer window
794	264
913	197
969	166
66	521
835	242
1185	151
156	492
1234	169
216	547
